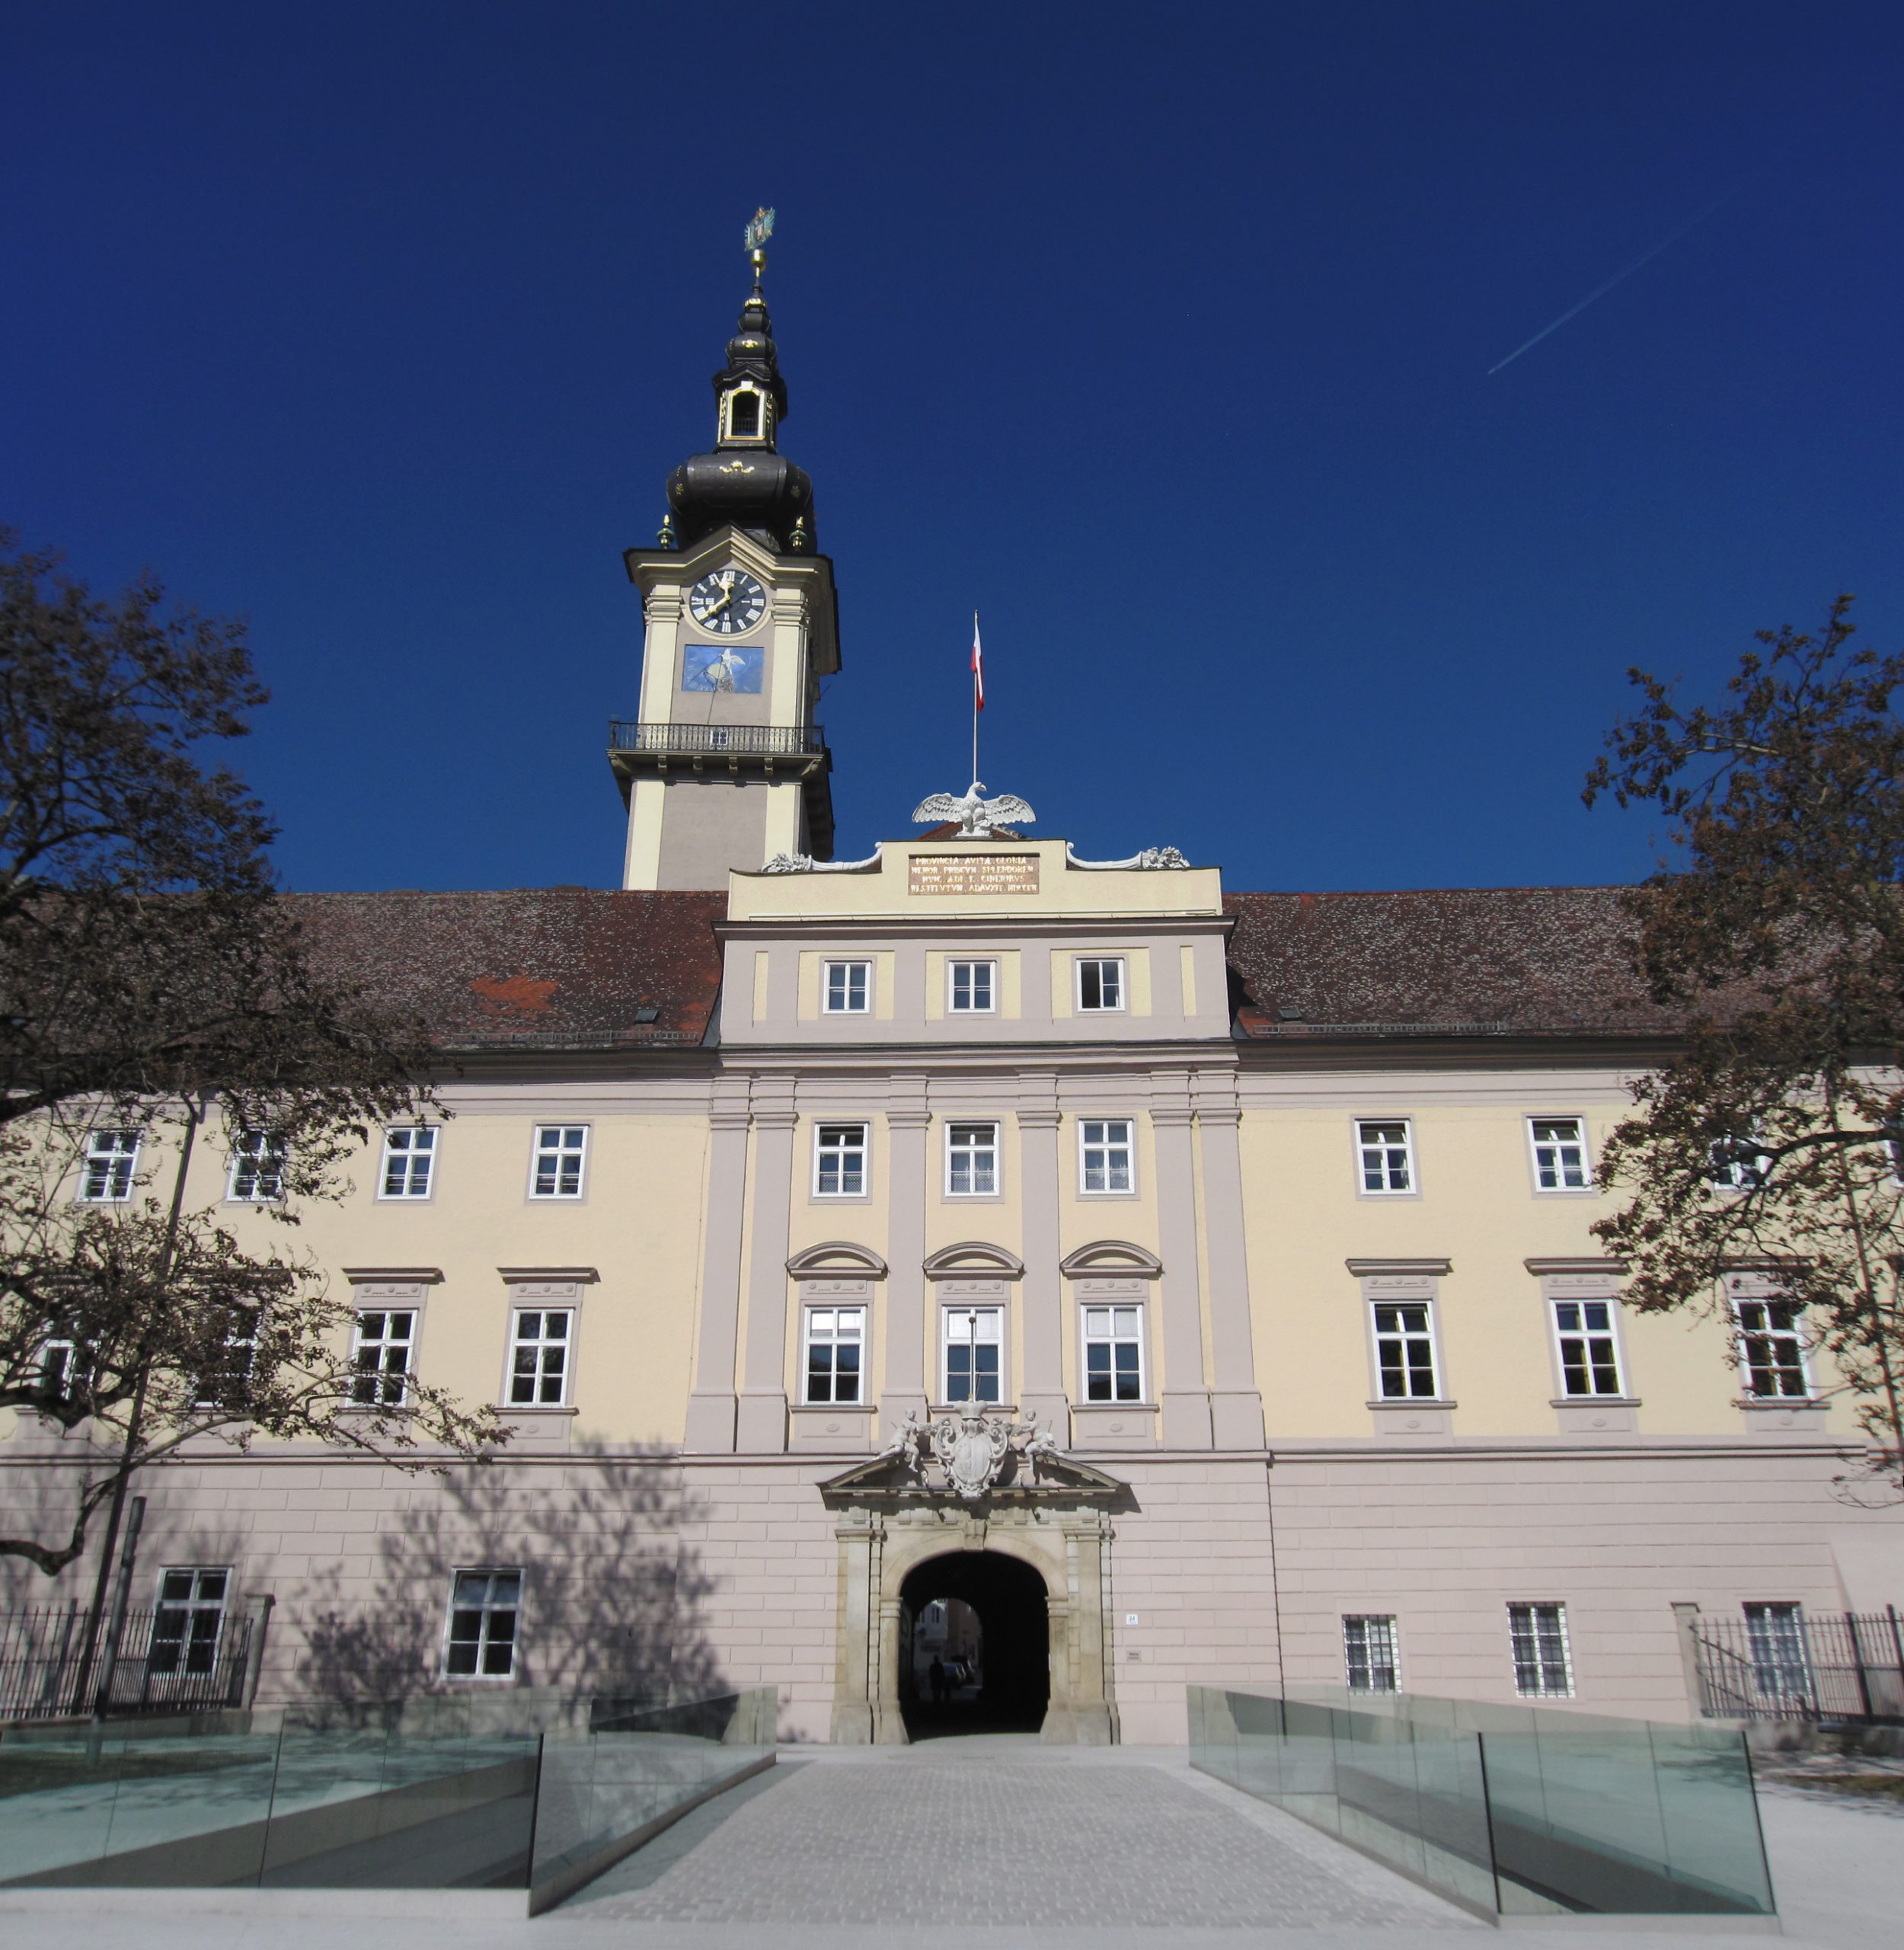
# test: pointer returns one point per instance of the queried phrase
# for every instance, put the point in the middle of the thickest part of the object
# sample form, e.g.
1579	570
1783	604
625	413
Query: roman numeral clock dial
726	602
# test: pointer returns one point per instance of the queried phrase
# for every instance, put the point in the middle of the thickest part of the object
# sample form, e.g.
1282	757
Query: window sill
839	1198
966	1408
533	1410
1595	1401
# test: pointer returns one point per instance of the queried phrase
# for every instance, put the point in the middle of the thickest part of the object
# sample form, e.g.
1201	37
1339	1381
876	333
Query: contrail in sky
1620	276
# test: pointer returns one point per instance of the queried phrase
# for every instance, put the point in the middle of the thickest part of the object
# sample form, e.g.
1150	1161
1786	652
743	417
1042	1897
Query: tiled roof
575	968
1510	960
548	968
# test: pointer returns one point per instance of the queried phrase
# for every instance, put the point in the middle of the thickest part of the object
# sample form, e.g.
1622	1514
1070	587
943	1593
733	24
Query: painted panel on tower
708	666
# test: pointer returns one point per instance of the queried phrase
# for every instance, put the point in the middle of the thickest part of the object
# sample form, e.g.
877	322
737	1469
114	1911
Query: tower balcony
777	754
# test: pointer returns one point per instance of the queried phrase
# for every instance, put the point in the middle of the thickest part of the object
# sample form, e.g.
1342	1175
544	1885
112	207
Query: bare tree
1776	1140
155	996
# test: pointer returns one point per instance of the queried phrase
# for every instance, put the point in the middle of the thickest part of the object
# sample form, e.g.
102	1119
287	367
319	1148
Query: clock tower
724	765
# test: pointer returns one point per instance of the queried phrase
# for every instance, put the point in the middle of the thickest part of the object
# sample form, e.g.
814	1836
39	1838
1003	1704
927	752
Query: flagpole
975	705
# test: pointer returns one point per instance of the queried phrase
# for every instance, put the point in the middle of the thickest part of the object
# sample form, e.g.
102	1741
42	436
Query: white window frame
193	1604
1114	1339
538	1346
952	964
1736	1175
1535	1144
847	967
1110	1147
1620	1390
1385	1657
830	1327
241	1327
1739	1302
954	1332
561	1152
379	1395
63	1349
1100	962
409	1152
953	1126
1384	1147
112	1163
822	1151
1540	1689
262	1155
1778	1642
487	1608
1375	1302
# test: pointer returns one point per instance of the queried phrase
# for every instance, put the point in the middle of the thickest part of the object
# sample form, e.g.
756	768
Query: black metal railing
1812	1666
695	740
44	1673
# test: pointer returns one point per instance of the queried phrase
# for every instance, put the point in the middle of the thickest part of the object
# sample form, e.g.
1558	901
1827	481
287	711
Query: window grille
188	1620
484	1606
1369	1654
1543	1667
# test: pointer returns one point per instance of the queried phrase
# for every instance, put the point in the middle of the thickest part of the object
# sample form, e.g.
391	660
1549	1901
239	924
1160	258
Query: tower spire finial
760	227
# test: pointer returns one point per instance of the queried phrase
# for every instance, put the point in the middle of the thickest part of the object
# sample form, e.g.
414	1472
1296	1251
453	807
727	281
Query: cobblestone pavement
984	1834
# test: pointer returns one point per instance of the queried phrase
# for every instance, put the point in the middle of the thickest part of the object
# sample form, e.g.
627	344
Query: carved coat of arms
971	1448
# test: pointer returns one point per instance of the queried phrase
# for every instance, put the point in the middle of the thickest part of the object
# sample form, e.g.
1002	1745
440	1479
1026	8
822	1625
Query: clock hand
707	616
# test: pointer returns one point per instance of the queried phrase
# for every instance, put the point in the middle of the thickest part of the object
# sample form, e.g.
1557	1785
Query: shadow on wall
613	1594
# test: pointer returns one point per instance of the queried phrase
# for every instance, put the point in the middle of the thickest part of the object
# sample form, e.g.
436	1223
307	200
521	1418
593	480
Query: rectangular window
974	1342
538	1368
1771	1349
1560	1154
258	1168
1405	1351
1103	1154
1369	1654
1101	983
221	1382
58	1369
187	1620
1589	1360
1113	1354
409	1155
839	1161
1542	1668
1780	1668
971	987
381	1358
106	1174
847	988
1386	1154
835	1342
1738	1165
484	1606
971	1160
561	1151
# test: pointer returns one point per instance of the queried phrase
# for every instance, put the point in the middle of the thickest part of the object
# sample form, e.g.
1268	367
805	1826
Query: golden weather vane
760	227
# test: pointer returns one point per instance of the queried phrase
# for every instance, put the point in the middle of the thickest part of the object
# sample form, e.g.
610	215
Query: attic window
647	1012
743	416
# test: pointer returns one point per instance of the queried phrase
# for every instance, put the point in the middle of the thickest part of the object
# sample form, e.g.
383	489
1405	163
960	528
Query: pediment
1117	1257
887	1478
973	1257
837	1259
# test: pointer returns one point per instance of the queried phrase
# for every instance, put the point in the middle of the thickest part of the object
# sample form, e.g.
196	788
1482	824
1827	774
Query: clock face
727	601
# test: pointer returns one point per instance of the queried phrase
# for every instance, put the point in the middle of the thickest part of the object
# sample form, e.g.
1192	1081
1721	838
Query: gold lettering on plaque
975	873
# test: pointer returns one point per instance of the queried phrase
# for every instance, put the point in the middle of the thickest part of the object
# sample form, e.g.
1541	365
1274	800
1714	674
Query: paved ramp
997	1832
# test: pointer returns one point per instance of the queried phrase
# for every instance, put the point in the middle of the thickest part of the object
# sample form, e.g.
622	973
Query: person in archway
936	1673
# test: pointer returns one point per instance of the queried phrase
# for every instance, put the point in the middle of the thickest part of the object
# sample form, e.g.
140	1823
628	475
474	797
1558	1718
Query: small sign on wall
975	873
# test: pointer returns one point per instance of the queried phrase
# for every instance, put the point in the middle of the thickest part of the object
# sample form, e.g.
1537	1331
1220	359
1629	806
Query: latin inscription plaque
975	873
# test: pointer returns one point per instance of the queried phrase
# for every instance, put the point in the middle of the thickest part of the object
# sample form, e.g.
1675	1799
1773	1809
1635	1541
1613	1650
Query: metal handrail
774	741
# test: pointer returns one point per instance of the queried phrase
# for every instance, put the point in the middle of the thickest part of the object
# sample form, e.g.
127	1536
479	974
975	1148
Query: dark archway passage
1011	1686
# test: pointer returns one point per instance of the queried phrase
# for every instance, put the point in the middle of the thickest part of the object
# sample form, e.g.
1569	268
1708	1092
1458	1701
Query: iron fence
1789	1665
45	1672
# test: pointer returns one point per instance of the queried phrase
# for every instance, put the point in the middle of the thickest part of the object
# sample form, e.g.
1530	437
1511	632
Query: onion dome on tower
744	481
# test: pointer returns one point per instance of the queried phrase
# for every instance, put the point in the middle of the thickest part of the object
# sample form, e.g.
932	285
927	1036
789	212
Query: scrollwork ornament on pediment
1152	858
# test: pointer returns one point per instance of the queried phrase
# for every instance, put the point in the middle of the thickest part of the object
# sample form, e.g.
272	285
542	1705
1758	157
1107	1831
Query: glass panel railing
1510	1810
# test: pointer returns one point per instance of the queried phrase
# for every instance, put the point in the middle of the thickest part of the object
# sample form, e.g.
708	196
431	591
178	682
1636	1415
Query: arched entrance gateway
973	1540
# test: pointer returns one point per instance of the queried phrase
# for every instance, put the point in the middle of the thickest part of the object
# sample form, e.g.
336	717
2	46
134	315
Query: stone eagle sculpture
977	815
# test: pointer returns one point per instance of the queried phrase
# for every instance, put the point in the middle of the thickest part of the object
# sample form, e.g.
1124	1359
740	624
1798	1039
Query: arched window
744	416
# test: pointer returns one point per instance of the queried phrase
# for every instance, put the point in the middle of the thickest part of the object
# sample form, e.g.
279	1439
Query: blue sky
1162	337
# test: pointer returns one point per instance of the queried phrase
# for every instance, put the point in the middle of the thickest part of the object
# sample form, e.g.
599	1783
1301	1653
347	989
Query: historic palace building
980	1278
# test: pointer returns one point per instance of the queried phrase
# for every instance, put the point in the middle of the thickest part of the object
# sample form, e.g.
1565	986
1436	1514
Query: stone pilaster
1041	1390
711	1407
1236	1400
859	1535
1186	1400
907	1122
761	1427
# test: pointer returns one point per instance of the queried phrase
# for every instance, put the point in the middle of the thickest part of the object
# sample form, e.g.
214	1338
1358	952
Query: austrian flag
978	667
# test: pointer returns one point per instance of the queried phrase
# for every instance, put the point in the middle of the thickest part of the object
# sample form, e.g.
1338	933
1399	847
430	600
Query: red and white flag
978	667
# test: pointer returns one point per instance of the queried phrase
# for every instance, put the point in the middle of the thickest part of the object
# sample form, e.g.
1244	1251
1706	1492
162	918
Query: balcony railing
692	740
